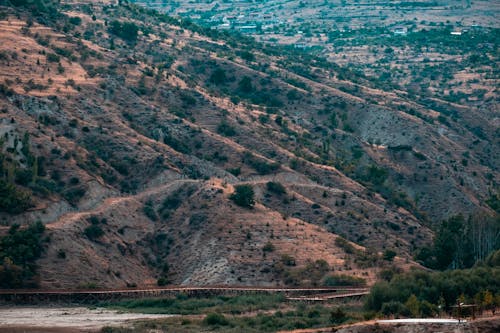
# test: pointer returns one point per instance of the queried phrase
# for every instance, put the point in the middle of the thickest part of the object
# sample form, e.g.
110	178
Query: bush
261	166
218	76
213	319
13	200
443	288
75	20
162	282
243	196
245	85
269	247
338	316
225	129
126	30
389	255
395	308
345	245
52	57
288	260
19	250
74	194
149	211
276	187
93	232
344	280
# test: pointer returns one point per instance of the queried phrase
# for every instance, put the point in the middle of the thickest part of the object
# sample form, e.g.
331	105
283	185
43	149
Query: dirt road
64	319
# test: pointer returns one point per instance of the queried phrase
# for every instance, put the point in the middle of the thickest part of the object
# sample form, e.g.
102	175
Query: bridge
32	296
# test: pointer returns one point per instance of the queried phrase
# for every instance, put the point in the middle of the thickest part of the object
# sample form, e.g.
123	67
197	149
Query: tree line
460	243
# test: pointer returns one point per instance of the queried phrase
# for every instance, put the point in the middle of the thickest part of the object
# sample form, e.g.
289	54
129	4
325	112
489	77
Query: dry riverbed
65	319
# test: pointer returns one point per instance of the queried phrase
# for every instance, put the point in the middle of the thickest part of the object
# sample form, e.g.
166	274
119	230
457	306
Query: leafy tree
413	305
13	200
19	250
226	129
243	196
93	232
213	319
389	255
343	280
338	316
436	288
394	308
246	55
275	187
125	30
218	76
245	85
460	243
268	247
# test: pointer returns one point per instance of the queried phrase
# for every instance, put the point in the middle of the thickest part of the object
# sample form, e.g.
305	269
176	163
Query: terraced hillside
156	151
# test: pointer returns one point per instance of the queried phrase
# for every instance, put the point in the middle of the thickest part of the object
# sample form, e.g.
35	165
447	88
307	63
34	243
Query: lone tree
125	30
243	196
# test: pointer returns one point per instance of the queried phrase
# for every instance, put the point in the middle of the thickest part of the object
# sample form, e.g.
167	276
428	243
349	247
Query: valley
345	144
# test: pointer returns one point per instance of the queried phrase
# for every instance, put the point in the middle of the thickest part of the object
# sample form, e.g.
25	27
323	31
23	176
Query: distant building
224	26
301	44
248	29
456	33
400	30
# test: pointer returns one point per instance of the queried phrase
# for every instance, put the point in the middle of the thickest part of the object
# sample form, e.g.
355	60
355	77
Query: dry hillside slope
145	134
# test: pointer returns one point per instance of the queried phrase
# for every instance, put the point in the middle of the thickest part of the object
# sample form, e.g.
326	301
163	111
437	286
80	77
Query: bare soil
65	319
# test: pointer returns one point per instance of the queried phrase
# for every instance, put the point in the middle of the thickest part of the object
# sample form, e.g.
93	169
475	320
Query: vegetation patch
428	292
243	196
19	250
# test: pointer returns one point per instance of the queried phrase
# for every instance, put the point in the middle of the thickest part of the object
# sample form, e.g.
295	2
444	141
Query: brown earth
141	125
483	325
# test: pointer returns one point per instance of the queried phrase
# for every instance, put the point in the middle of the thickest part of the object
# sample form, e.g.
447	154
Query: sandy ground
64	319
421	321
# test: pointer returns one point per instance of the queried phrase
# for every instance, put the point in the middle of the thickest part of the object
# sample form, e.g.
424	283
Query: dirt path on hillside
108	203
113	201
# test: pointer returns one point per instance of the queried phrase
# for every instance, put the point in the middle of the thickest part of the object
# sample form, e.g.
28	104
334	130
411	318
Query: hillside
125	132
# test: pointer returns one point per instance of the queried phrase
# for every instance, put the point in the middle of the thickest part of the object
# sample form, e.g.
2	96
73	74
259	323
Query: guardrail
93	295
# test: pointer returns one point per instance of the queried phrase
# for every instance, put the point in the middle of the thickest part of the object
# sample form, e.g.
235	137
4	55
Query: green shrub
74	194
338	316
52	57
213	319
260	165
275	187
269	247
343	280
218	76
436	288
61	254
93	232
19	250
389	255
126	30
225	129
162	282
345	245
93	219
149	211
395	308
243	196
245	85
12	199
288	260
